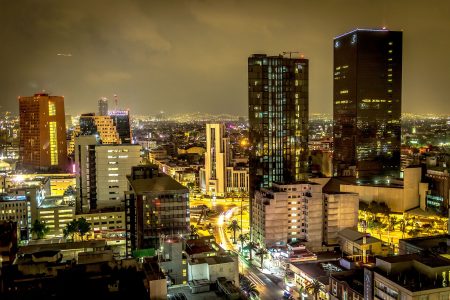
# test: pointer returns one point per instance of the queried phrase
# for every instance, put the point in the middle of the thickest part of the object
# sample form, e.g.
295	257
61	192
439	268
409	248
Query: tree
194	232
403	223
248	288
242	238
377	225
83	227
71	229
314	288
234	226
251	246
40	229
261	253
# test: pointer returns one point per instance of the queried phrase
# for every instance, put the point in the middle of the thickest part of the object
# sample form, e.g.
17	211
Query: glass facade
278	116
367	102
121	120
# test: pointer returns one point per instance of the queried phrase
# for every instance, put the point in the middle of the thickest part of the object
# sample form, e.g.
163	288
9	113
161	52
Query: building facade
103	107
103	126
367	102
156	206
301	212
278	119
43	144
121	119
101	172
217	158
220	177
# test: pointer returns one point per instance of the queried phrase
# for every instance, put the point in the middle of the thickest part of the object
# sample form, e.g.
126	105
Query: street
229	210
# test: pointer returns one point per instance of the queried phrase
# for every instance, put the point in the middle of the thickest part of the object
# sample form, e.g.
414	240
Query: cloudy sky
188	56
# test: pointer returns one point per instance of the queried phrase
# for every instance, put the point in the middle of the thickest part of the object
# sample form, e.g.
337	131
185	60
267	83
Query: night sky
188	56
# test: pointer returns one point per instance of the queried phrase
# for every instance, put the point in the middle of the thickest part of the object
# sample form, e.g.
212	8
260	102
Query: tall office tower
367	102
101	172
121	120
43	144
103	107
278	116
103	126
156	206
216	159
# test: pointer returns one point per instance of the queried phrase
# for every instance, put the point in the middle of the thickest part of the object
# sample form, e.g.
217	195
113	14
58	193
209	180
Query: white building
101	172
219	177
295	212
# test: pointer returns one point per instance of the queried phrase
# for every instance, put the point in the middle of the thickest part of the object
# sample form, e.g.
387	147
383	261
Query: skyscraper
367	102
278	116
43	143
121	119
219	176
216	159
103	106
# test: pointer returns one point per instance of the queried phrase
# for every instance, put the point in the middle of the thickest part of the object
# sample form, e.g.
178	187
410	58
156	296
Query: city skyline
198	62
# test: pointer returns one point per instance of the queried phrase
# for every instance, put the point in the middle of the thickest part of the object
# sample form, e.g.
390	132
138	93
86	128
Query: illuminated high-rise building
102	126
367	102
219	176
121	119
278	117
43	144
216	159
103	107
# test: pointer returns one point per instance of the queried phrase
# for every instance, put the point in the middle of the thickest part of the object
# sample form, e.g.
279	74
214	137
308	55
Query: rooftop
353	278
160	183
357	237
411	275
211	260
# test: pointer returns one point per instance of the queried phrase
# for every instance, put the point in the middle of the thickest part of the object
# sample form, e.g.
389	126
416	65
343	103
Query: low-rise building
8	242
353	243
408	277
155	205
438	244
307	272
347	285
56	213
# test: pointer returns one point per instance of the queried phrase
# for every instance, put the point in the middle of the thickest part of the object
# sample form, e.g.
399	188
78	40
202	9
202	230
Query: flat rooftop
160	183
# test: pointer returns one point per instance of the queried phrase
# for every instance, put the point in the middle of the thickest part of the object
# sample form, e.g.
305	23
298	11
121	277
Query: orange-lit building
42	132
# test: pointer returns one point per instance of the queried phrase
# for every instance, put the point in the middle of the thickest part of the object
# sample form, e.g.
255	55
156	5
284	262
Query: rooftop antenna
290	53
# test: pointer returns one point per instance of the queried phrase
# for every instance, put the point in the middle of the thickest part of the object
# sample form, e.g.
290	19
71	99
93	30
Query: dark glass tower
278	116
121	119
103	107
367	102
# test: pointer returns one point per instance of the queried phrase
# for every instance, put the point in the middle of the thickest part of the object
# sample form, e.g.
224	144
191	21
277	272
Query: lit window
53	143
51	108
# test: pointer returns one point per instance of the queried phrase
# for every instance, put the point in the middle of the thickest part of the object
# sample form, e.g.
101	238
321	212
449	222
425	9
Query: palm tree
194	232
247	287
83	227
71	229
261	253
314	288
242	238
40	229
234	226
251	246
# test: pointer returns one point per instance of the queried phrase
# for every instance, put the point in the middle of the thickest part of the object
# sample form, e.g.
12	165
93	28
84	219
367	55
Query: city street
227	211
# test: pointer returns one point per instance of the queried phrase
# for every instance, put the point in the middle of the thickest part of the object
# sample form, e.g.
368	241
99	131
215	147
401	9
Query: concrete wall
342	212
